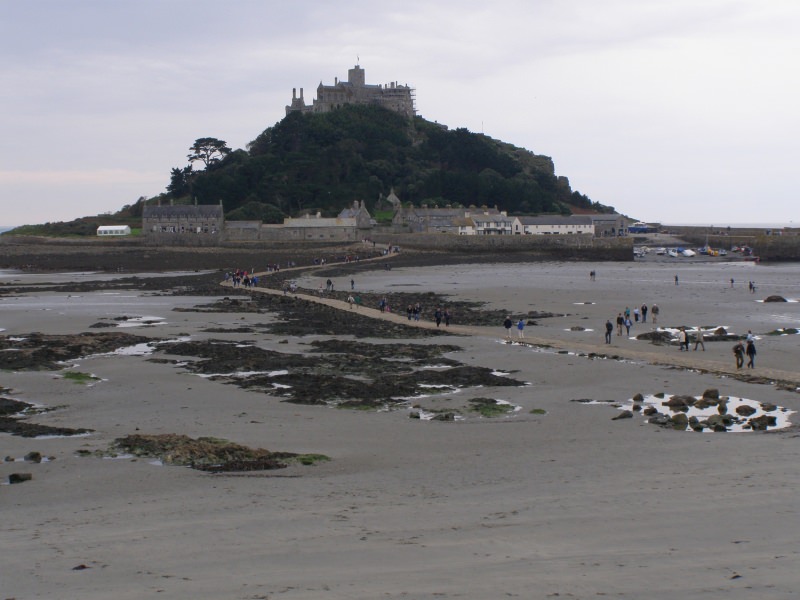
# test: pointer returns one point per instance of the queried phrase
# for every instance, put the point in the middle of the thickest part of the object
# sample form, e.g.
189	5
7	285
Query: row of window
183	229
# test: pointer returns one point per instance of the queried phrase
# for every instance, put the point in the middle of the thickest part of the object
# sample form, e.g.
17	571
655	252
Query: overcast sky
678	111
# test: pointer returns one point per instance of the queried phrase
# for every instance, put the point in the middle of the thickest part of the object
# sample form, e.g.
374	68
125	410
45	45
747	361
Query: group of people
413	311
699	339
748	348
508	324
241	278
624	319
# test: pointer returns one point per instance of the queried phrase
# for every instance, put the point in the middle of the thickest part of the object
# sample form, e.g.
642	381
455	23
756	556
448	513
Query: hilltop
322	162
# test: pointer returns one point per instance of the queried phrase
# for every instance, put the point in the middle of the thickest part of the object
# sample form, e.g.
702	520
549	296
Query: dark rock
23	428
711	394
656	337
763	422
722	407
768	406
658	419
745	411
34	457
625	414
650	410
716	423
9	406
704	403
680	402
638	398
41	351
775	298
679	421
19	477
448	416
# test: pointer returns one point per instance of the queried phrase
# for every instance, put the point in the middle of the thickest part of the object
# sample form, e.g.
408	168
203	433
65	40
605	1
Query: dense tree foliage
208	150
322	162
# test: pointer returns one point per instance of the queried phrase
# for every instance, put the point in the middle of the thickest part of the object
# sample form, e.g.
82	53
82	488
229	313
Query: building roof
309	222
213	211
556	220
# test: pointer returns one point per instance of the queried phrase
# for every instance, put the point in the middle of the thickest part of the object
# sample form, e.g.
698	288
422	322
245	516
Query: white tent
104	230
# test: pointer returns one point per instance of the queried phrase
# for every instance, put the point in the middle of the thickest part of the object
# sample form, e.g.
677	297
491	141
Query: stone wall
563	247
777	247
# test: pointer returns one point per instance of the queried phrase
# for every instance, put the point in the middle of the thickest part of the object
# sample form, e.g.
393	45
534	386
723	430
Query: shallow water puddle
739	414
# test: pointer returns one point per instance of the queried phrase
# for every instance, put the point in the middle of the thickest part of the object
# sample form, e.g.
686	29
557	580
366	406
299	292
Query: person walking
738	353
437	316
507	324
609	329
683	339
644	313
628	325
521	329
751	354
620	323
655	310
676	279
699	339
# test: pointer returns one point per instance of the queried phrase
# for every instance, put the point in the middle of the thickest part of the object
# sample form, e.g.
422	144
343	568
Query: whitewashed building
554	225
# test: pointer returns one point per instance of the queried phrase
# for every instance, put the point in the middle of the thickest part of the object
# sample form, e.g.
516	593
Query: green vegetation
311	459
538	411
787	331
207	453
80	228
323	162
78	377
488	407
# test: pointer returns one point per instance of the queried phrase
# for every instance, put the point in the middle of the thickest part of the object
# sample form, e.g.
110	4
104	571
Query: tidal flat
536	495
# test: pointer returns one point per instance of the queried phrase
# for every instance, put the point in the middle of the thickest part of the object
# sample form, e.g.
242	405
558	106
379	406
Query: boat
672	252
639	227
688	252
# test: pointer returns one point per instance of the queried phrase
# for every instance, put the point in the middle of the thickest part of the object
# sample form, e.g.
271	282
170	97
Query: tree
208	150
179	184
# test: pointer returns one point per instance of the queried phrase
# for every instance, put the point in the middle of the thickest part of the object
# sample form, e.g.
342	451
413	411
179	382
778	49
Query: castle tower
356	76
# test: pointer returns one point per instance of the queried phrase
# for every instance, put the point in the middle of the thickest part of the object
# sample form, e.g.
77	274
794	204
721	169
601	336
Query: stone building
463	221
554	225
396	97
609	225
360	213
188	224
317	228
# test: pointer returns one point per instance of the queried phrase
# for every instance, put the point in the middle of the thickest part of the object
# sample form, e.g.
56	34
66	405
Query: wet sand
564	503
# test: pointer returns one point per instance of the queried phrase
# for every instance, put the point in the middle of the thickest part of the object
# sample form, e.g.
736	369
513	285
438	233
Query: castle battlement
396	97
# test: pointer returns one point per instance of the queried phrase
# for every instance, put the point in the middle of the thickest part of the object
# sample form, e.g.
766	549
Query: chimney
294	93
301	93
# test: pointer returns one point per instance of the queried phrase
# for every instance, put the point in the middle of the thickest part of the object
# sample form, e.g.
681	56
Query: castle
399	98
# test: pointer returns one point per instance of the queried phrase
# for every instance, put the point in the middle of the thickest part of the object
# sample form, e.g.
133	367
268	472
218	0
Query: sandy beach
556	498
